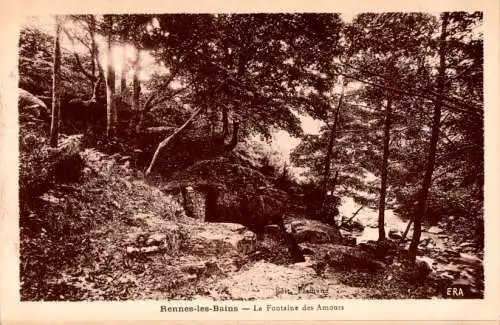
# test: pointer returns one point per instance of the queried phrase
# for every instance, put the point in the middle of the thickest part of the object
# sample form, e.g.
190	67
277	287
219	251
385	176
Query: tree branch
87	74
409	93
452	99
167	140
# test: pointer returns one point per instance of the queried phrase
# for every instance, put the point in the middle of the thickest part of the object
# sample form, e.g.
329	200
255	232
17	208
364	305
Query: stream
459	263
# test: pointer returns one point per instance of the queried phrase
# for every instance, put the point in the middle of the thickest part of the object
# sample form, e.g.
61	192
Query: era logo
455	292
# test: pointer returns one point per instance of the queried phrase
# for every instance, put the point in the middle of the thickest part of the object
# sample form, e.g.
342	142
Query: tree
383	183
418	93
239	67
56	84
431	159
111	114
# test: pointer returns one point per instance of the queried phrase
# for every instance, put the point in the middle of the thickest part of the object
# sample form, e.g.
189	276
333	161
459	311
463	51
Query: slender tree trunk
123	78
426	184
225	122
329	151
56	85
234	138
110	85
92	29
335	180
385	160
136	84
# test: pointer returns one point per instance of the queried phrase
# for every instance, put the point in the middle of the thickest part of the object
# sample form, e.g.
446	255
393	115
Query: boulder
31	104
469	259
451	253
156	239
225	236
416	273
307	250
313	231
168	239
378	249
353	226
435	230
466	244
49	198
395	234
345	257
273	231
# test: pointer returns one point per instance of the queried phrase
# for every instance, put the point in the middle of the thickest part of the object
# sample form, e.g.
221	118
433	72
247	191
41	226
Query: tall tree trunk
234	138
56	85
385	160
123	78
329	151
110	84
136	84
426	184
92	30
225	122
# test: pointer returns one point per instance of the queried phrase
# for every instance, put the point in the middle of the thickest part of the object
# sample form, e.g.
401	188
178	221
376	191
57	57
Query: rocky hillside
111	234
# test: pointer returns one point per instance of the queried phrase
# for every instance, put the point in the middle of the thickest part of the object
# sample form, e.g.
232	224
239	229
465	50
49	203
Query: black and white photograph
251	156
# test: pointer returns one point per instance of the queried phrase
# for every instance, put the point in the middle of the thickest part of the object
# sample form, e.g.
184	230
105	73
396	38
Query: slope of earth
113	236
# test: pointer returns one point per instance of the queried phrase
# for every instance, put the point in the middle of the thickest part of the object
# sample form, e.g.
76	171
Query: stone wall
194	203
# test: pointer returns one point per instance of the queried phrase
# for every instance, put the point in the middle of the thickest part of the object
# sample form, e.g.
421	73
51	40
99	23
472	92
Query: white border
13	310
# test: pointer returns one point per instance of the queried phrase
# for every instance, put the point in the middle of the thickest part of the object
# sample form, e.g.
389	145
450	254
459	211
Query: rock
357	226
247	244
212	269
395	234
194	203
350	241
345	232
313	231
353	225
202	269
124	159
378	249
369	247
462	282
469	259
451	253
295	225
150	249
424	242
273	231
194	268
435	230
139	219
49	198
466	244
30	103
115	156
307	250
423	268
346	257
132	250
156	239
416	273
